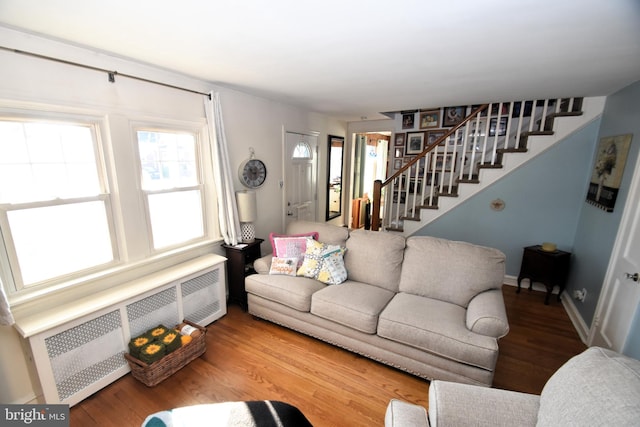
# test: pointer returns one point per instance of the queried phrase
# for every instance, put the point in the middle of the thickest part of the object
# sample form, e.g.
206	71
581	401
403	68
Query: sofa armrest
263	265
486	314
404	414
455	404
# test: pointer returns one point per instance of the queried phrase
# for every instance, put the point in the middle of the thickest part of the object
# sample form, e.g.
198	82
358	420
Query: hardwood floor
250	359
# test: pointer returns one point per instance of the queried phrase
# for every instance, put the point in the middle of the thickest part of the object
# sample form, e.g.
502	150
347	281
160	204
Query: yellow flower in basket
158	331
171	341
185	339
152	352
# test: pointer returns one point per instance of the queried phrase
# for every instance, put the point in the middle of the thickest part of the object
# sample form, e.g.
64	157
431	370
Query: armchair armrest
263	265
486	314
455	404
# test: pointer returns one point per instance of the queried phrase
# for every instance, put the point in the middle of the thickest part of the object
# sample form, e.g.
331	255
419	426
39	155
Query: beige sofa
428	306
598	387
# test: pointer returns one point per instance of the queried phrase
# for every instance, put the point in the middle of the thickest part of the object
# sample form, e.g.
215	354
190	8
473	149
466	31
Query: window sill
67	299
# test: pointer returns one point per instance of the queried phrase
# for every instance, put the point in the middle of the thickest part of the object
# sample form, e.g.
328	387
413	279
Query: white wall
250	121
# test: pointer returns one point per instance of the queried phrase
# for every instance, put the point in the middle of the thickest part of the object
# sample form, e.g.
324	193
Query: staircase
493	141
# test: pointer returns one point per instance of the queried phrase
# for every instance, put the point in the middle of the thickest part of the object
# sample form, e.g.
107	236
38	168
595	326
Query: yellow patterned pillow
324	263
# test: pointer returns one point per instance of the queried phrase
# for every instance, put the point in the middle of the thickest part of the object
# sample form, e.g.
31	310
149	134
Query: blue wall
597	229
543	199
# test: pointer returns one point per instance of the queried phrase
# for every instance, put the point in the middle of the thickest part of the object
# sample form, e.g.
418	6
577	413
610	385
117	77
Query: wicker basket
155	373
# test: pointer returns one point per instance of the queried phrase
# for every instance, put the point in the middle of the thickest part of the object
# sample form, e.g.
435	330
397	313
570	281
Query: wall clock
252	173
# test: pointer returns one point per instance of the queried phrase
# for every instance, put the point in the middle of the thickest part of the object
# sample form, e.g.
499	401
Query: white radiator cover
79	357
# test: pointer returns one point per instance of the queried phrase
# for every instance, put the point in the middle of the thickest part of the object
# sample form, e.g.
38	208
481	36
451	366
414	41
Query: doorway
371	151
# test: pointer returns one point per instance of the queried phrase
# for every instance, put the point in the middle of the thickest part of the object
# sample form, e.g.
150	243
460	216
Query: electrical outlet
580	295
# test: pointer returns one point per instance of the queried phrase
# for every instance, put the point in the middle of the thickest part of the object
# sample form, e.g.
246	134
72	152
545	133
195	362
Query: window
172	186
54	204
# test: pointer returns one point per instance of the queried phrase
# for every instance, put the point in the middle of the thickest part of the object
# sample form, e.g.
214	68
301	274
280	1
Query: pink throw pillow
291	246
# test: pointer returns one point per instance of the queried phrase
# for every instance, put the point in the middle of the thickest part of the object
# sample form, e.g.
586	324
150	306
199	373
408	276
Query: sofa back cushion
375	258
450	271
597	387
327	233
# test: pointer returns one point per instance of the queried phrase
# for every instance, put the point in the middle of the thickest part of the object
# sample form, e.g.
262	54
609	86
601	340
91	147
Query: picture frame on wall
415	143
408	121
430	119
453	115
397	164
608	169
399	152
501	128
445	163
433	136
399	139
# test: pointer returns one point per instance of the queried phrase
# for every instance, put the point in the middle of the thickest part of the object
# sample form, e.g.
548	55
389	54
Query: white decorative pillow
284	266
323	262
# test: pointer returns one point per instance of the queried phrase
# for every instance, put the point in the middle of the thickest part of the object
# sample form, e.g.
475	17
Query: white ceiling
355	58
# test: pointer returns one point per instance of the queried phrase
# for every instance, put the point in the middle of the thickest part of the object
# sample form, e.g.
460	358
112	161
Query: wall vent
158	309
77	358
84	354
201	297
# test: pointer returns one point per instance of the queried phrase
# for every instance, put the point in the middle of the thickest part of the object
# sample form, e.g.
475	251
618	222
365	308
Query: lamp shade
247	206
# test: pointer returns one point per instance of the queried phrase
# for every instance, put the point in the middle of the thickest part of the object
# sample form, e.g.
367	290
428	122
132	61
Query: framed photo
477	127
415	142
445	162
501	128
397	164
434	135
399	152
430	119
608	169
517	107
399	139
415	185
408	121
453	116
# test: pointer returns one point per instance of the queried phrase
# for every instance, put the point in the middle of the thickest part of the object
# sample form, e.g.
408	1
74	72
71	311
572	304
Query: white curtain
222	173
6	318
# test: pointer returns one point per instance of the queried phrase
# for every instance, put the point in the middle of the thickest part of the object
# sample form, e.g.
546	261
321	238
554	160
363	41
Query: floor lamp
247	213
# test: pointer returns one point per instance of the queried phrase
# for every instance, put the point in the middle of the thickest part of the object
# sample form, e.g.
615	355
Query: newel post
375	208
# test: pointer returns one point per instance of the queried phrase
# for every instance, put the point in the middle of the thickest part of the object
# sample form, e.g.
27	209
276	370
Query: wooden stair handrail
378	184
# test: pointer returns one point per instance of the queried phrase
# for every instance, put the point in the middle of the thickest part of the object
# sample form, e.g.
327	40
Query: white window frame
169	127
11	276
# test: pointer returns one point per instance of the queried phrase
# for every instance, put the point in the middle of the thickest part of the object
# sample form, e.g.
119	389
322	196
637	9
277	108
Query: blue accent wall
543	199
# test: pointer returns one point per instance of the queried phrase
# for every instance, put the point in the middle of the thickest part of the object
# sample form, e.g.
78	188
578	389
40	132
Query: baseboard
572	311
574	315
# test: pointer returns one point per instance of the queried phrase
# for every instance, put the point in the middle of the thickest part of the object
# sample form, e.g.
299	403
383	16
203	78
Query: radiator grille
200	297
86	353
154	310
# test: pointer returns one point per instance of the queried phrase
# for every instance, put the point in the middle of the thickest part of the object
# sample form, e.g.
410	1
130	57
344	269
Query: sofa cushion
294	292
285	266
450	271
375	258
597	387
436	327
353	304
327	233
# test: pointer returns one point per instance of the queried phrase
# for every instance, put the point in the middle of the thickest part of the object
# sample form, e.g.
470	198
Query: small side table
548	268
239	265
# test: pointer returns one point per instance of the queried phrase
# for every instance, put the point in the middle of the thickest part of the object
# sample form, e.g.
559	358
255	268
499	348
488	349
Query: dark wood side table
548	268
239	265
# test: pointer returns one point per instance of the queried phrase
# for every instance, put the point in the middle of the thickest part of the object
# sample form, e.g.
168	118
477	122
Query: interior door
300	176
621	292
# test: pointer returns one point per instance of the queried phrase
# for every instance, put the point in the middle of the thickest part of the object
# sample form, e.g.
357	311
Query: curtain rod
110	73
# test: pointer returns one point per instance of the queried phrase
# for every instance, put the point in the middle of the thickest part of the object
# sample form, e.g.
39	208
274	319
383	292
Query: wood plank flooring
250	359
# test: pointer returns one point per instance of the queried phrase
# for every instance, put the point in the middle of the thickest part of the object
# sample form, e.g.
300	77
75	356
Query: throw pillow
289	246
284	266
323	262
